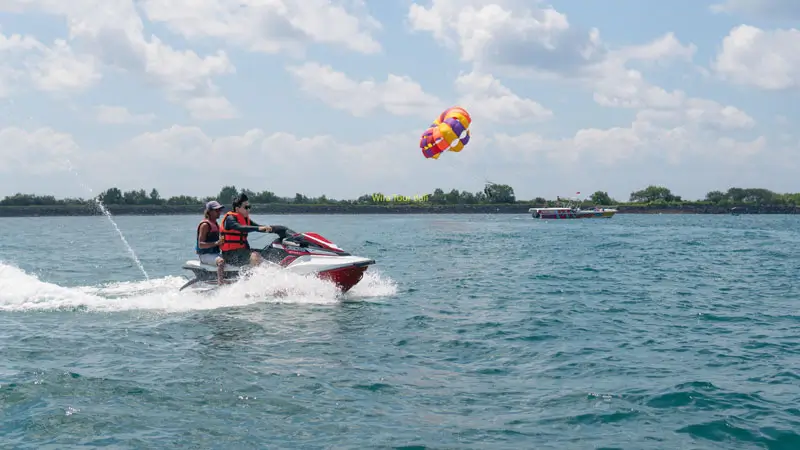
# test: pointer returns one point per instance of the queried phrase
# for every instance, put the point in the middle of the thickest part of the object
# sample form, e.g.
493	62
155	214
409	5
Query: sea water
471	331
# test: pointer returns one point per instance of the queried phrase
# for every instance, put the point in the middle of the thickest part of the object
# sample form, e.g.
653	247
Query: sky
331	96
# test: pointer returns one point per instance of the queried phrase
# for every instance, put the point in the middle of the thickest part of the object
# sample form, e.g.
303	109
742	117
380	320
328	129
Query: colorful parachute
449	132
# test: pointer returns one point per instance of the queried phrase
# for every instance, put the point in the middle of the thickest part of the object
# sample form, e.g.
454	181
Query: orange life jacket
234	239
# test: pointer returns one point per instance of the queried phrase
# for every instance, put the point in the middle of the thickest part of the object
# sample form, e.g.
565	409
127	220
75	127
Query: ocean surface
471	331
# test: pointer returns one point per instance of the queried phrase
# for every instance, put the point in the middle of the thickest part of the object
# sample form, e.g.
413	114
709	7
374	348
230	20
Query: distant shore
283	208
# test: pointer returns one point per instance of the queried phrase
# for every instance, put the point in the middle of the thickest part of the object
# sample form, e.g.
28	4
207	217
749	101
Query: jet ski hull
300	253
344	273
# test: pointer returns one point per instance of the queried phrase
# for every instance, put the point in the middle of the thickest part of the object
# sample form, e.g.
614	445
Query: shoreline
283	208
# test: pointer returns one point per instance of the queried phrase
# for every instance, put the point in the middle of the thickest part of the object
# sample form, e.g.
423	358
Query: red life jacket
211	236
234	239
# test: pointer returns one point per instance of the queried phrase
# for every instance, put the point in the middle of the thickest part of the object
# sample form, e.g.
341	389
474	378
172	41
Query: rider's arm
257	225
232	224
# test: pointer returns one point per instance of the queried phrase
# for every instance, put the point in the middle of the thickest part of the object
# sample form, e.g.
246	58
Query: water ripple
646	332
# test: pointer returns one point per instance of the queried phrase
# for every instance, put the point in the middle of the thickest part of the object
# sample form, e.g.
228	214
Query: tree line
492	193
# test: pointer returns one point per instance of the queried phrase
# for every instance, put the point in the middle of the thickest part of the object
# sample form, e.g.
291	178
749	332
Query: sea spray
22	291
110	219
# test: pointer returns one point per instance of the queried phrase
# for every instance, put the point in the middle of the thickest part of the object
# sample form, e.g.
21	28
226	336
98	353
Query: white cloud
121	115
60	69
113	36
487	98
509	35
211	107
402	96
269	26
522	40
616	159
661	50
651	140
616	85
703	113
398	95
764	59
24	60
37	153
174	159
777	9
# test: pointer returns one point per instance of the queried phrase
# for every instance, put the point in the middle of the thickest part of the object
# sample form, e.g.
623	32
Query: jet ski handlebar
281	231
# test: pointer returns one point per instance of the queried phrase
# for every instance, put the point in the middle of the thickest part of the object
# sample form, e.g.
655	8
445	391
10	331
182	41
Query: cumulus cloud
175	158
774	9
490	100
509	35
270	27
400	95
40	152
113	37
764	59
27	62
121	115
525	40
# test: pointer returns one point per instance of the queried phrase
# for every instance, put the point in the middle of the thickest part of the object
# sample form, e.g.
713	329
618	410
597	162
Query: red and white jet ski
300	253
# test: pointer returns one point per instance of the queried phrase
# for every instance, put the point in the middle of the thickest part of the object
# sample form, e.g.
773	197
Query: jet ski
301	253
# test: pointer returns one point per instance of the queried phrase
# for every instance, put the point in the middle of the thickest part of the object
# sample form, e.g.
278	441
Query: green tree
155	197
467	198
736	195
602	198
29	199
499	193
716	197
111	196
438	197
266	197
134	197
652	194
759	196
227	194
183	200
453	197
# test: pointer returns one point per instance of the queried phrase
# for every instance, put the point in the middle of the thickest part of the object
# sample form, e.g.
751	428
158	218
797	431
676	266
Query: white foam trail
20	291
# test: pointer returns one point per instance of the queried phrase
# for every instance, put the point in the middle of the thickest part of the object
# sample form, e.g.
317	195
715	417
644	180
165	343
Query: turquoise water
472	331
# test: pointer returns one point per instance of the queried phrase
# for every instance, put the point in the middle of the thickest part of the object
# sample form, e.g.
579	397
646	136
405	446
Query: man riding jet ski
228	244
301	253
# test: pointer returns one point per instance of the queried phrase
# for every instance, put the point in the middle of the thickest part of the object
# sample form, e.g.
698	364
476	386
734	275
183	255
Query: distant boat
570	210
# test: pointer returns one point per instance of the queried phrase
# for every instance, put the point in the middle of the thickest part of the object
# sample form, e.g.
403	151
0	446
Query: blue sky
330	98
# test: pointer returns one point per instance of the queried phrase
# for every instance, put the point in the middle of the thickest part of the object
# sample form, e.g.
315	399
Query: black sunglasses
247	207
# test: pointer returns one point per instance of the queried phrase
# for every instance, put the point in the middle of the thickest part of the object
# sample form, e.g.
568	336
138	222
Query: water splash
21	291
110	219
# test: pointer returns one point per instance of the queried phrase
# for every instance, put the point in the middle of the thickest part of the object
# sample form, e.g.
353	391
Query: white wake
21	291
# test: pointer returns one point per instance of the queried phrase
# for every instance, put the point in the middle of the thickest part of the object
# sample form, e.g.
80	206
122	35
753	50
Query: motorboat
304	253
572	213
570	209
